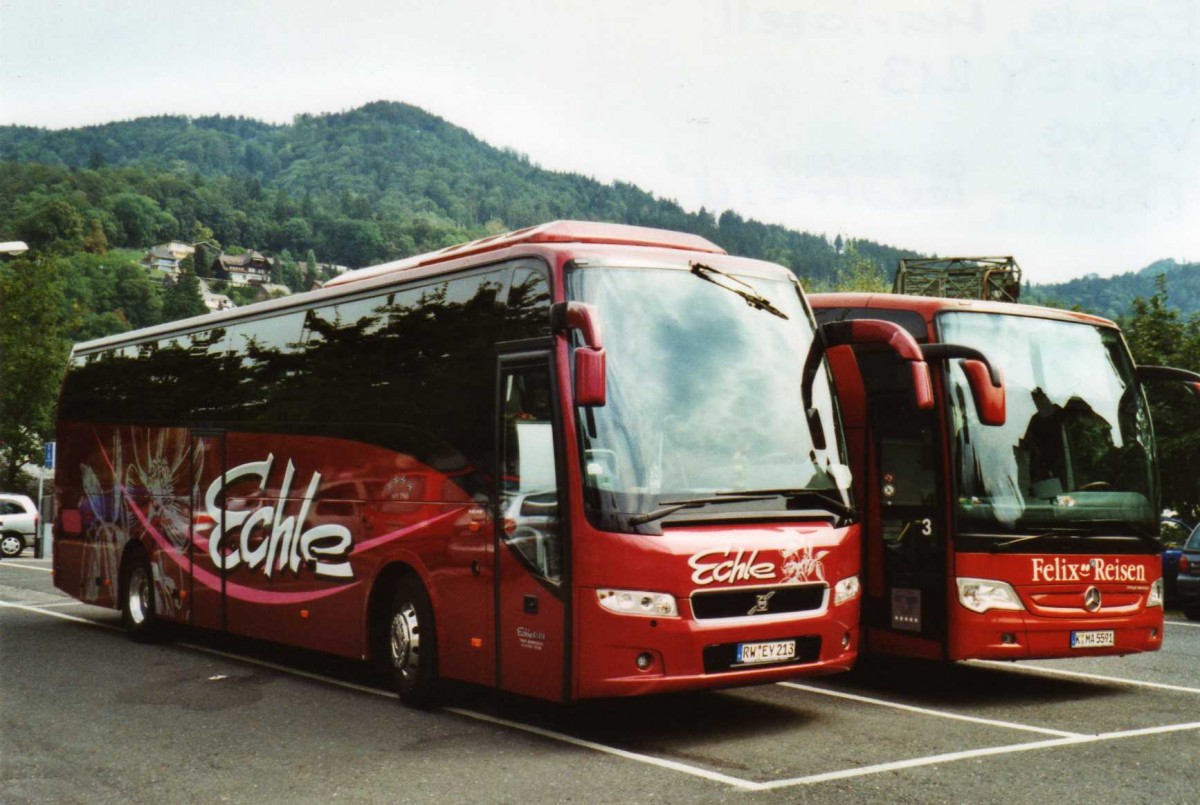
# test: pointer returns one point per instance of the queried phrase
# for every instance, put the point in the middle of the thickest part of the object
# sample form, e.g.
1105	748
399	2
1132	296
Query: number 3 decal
926	527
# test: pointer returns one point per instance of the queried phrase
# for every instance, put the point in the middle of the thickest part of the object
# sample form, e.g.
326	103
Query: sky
1064	133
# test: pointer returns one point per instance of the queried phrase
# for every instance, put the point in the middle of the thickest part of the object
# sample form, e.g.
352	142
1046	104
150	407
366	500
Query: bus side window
529	480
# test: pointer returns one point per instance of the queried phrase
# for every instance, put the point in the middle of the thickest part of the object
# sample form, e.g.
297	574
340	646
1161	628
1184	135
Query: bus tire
138	614
1192	612
410	648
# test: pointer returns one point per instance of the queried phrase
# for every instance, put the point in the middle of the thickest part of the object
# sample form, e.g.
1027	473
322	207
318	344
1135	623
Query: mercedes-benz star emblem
1091	599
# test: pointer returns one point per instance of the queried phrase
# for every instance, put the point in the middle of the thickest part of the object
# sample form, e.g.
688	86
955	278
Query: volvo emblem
1091	599
760	606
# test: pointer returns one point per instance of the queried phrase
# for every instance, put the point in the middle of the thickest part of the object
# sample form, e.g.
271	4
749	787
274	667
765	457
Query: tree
142	221
53	225
860	273
33	354
95	241
1158	335
182	297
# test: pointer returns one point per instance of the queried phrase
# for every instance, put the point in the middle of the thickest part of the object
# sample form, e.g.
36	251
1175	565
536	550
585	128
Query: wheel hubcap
139	595
406	641
11	546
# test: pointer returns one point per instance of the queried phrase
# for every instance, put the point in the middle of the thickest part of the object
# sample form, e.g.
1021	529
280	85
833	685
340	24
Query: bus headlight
1155	599
638	602
980	595
846	590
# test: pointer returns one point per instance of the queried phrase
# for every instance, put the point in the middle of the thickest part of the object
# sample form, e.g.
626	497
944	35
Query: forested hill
373	184
1113	296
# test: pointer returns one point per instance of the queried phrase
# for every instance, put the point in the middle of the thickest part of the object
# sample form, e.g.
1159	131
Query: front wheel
1192	612
138	614
411	647
11	545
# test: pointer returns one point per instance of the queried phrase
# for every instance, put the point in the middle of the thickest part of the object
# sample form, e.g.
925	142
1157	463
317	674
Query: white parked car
18	524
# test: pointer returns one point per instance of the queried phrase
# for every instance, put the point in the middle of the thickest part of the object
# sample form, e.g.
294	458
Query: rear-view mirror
984	377
591	375
989	397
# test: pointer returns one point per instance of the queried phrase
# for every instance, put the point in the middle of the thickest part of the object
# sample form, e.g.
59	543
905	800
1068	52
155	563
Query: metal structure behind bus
996	279
448	465
1028	536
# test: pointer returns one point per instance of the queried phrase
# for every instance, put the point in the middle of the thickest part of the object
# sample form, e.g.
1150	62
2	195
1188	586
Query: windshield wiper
672	506
1080	533
752	297
1073	533
830	504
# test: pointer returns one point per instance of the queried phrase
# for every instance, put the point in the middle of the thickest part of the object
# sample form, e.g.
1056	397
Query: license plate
1093	639
775	651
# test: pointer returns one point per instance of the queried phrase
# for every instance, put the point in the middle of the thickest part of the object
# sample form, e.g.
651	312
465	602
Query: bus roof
929	306
590	232
585	238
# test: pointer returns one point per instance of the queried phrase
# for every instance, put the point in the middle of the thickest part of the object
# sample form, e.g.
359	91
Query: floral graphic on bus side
107	529
801	564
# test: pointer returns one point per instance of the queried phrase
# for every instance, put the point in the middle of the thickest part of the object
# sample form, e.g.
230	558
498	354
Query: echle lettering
1092	570
719	567
285	544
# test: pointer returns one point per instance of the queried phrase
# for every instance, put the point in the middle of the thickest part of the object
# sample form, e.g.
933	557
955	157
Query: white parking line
1183	623
10	563
61	615
1039	669
694	771
950	757
1071	739
928	712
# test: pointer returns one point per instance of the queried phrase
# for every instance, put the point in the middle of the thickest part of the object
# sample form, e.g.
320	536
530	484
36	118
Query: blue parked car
1172	531
1188	582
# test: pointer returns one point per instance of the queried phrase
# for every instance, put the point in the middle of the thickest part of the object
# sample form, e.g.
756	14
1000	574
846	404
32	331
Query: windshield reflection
1077	447
703	396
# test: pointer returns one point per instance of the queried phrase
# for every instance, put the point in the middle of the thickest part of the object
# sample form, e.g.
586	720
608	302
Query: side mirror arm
1170	373
862	331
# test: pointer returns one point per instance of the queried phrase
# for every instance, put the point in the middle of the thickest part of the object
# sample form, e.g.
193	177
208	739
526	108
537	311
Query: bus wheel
1192	613
137	602
412	645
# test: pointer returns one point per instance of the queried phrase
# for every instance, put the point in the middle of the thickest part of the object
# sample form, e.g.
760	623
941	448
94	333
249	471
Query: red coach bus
1014	527
571	461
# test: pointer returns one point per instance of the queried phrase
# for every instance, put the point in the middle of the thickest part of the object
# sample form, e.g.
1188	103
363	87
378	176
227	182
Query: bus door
906	534
203	587
531	583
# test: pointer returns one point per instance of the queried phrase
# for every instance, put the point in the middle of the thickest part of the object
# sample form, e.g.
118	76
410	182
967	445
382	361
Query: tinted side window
527	312
413	370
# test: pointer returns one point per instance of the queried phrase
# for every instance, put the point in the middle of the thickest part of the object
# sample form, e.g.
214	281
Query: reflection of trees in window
411	369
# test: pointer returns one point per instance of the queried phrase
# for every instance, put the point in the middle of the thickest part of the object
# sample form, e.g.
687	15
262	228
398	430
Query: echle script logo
1059	569
284	542
762	604
1091	599
727	566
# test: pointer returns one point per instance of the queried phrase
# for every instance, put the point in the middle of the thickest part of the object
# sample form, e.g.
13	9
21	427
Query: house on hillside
271	291
250	268
214	301
166	257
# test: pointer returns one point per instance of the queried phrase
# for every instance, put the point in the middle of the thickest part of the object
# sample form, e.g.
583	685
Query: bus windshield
1077	450
703	399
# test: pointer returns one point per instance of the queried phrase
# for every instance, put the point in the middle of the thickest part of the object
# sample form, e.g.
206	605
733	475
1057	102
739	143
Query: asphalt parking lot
87	715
